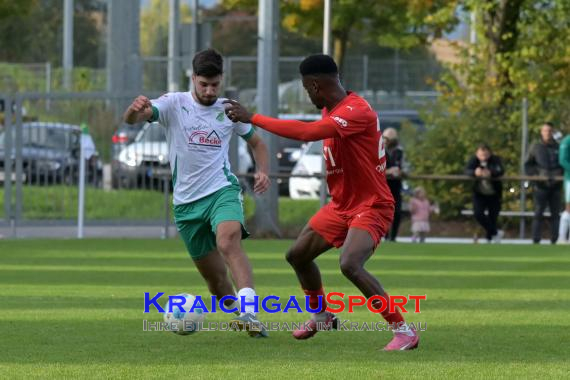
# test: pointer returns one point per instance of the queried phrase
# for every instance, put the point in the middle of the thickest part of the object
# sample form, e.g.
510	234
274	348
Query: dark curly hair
208	63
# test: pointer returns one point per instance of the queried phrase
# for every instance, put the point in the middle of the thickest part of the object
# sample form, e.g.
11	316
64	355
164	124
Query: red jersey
356	161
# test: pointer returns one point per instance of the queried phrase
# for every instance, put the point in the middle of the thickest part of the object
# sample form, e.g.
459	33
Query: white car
310	163
145	161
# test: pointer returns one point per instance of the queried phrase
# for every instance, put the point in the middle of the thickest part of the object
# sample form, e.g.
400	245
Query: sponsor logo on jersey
186	109
204	138
381	168
340	121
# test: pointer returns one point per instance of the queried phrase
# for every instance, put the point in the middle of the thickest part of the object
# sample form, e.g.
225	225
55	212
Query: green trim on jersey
175	172
248	135
154	116
230	176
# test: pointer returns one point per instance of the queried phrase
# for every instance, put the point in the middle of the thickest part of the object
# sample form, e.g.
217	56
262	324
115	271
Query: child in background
420	209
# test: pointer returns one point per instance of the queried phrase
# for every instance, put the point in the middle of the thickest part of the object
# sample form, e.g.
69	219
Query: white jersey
198	140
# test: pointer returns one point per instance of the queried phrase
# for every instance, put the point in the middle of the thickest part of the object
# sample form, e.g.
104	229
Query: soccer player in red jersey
361	208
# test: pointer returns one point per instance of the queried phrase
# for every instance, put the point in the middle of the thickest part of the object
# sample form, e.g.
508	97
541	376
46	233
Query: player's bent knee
294	257
350	269
228	243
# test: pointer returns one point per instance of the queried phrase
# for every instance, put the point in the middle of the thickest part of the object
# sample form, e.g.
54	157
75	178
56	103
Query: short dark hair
484	146
318	64
550	124
208	63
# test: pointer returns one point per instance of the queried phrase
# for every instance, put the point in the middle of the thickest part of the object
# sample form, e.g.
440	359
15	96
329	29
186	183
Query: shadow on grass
76	342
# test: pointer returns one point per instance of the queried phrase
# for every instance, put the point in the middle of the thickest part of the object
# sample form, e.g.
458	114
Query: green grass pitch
74	309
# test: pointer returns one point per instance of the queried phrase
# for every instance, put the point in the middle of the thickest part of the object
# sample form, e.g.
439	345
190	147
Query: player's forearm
295	129
131	116
261	157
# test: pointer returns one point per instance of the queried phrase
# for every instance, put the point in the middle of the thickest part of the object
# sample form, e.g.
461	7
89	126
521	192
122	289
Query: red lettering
352	302
417	301
339	303
394	303
374	309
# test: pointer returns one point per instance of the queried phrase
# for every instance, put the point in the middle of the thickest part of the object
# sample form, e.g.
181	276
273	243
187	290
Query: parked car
311	158
309	163
140	163
289	151
124	136
144	163
50	155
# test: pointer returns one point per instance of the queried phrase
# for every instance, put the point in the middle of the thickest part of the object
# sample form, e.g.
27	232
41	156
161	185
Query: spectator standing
395	170
486	168
542	160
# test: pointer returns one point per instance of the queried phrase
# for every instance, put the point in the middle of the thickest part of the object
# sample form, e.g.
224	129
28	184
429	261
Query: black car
50	155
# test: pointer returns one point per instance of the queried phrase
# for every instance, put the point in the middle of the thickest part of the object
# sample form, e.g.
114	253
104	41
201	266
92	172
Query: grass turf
74	309
60	202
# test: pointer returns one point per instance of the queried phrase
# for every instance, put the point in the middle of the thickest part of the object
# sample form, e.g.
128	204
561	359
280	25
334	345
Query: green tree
154	27
10	8
522	52
31	31
396	23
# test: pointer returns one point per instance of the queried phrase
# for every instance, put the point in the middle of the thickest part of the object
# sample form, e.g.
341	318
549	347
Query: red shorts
333	224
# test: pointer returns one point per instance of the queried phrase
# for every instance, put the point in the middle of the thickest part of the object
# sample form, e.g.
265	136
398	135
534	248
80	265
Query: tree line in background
522	51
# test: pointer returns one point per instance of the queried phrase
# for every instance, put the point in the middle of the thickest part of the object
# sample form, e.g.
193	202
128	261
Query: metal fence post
8	162
19	167
524	144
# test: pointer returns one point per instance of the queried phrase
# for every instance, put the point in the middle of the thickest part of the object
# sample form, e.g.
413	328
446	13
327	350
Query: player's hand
261	183
140	104
236	112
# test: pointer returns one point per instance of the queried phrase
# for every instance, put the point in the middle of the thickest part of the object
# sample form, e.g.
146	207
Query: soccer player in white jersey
207	197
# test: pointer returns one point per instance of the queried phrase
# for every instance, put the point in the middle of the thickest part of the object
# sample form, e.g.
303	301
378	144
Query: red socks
394	317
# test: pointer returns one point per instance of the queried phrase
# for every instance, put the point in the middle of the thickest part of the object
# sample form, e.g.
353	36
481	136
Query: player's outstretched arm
139	110
292	129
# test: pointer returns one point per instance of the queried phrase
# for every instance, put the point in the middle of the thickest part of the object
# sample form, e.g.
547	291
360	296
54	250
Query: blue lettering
152	301
198	304
292	304
180	300
254	303
269	309
308	305
223	307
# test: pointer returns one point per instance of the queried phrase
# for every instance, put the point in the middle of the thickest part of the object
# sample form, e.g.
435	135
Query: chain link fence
127	173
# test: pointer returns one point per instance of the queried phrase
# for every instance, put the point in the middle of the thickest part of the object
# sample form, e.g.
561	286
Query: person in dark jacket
395	170
542	160
487	168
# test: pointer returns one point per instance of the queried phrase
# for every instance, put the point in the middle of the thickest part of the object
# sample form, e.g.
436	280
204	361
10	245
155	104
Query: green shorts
197	221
